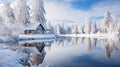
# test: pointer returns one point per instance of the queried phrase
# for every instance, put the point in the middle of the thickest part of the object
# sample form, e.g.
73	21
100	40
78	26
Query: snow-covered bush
87	26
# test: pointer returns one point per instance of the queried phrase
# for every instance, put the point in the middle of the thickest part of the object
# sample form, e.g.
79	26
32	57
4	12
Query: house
34	28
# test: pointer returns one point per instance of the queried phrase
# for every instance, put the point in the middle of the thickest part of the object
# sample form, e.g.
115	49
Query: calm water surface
71	52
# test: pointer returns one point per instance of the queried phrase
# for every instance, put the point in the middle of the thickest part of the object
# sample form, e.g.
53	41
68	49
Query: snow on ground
97	35
41	37
6	39
37	36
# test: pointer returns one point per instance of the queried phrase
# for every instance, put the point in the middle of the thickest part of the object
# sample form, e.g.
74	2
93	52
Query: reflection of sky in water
87	53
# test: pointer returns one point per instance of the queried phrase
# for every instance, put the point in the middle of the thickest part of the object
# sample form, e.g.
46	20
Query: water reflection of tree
59	41
80	40
87	42
93	42
109	45
74	41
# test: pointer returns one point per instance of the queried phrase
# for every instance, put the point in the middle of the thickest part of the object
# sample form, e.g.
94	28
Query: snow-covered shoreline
91	35
41	37
37	36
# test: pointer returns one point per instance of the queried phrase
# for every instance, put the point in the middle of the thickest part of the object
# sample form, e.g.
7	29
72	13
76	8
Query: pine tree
7	14
58	29
88	26
37	12
80	29
9	27
93	28
74	29
113	26
50	28
21	11
69	30
106	22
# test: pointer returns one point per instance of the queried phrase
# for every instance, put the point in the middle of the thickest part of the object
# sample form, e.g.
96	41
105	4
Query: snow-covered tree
57	29
87	26
37	12
93	28
49	27
65	29
80	29
118	28
8	26
52	30
69	30
21	11
106	22
16	29
7	14
62	28
96	27
74	29
113	26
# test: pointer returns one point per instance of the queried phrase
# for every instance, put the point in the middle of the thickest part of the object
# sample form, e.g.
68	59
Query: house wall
29	31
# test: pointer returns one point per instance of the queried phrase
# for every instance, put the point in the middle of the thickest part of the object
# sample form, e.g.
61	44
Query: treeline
109	25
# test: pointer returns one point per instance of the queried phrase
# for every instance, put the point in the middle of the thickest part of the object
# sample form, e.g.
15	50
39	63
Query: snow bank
4	39
40	37
37	36
97	35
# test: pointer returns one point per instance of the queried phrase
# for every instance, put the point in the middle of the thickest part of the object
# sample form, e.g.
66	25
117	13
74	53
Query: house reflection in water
36	52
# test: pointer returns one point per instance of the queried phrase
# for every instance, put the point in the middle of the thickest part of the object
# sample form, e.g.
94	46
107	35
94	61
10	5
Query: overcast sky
78	10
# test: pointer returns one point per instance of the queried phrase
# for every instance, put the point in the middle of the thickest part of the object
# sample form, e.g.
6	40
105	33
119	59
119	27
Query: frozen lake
63	52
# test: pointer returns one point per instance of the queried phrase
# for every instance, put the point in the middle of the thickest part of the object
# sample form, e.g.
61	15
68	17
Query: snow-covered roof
31	26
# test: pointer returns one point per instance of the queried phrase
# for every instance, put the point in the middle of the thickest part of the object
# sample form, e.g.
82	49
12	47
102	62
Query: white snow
87	26
37	36
6	39
97	35
21	11
31	26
